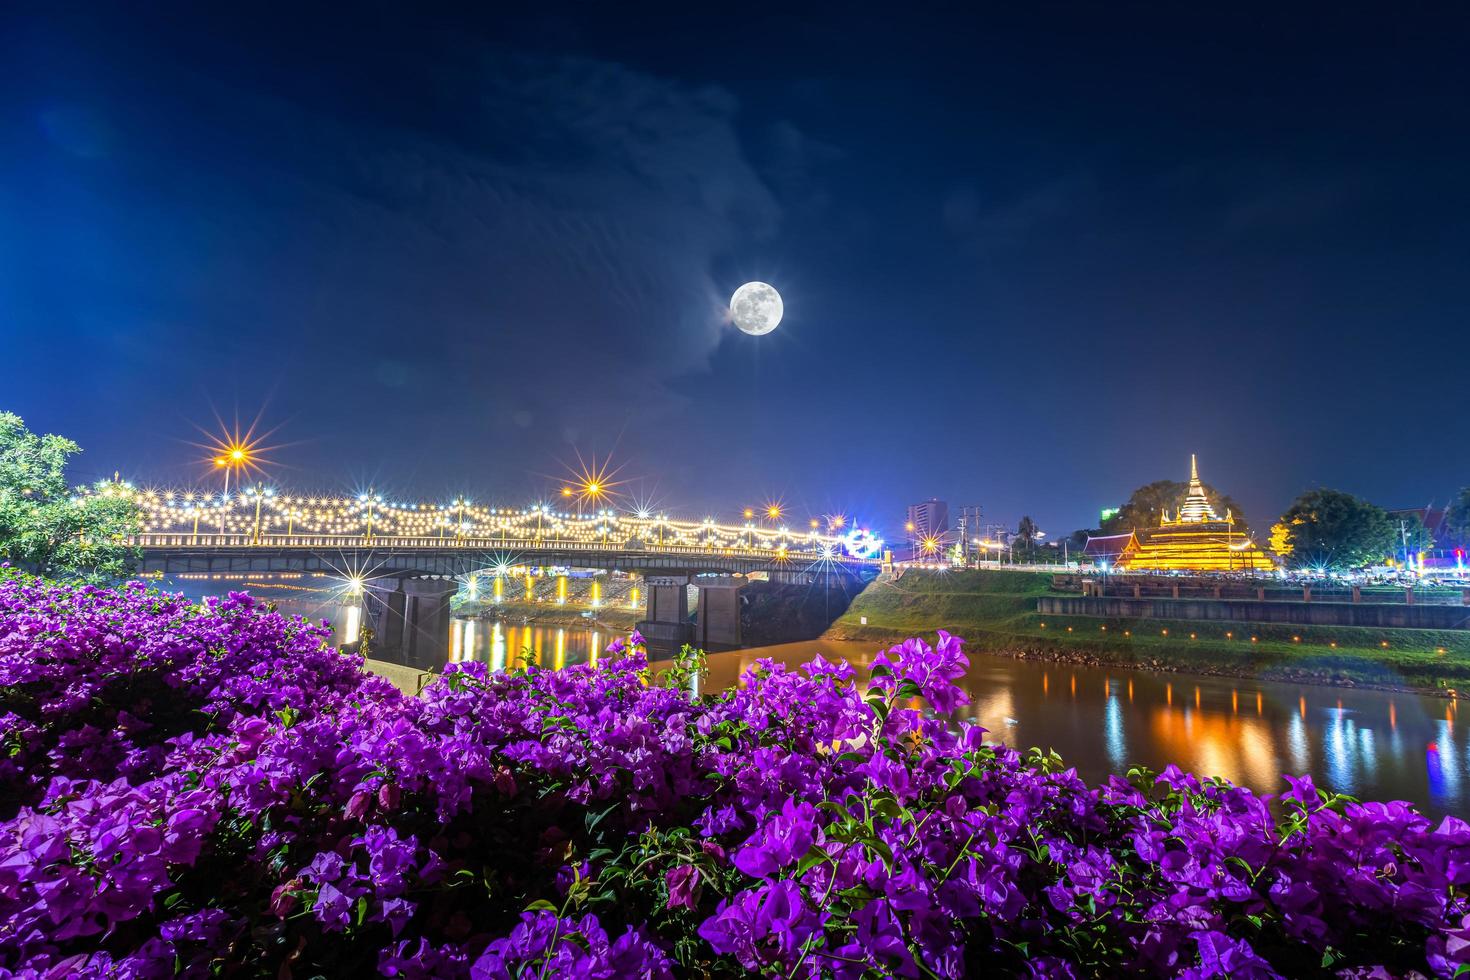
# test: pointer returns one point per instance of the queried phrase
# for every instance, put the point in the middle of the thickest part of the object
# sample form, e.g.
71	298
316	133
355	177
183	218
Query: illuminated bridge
408	559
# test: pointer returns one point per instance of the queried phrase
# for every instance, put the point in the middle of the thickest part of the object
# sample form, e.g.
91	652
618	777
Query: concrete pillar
1217	592
1260	593
1306	593
1408	597
717	623
1465	598
411	621
1176	590
1357	594
383	602
666	623
1137	591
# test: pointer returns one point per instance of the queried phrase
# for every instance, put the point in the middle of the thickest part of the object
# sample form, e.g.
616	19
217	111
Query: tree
1027	531
1336	530
1148	503
1281	540
1411	536
1457	519
45	526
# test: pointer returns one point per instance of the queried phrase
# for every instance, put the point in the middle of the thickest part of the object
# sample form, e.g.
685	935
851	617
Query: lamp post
369	499
259	499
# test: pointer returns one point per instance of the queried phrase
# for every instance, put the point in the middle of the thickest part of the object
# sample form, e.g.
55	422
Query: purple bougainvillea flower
683	886
198	788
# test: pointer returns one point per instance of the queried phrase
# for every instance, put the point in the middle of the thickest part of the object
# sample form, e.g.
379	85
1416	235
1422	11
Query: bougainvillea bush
215	790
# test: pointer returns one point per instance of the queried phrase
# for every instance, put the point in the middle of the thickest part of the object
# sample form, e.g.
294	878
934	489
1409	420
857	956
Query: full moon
756	308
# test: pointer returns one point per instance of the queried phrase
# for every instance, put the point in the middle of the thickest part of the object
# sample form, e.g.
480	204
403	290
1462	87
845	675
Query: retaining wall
1396	616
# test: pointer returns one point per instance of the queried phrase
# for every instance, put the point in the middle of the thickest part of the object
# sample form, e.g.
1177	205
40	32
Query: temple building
1196	539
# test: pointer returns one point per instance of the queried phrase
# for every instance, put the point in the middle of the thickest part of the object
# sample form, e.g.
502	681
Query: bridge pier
717	621
411	620
716	626
665	625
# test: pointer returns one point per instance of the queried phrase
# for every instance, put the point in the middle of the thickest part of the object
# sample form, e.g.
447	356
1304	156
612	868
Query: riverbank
995	611
605	618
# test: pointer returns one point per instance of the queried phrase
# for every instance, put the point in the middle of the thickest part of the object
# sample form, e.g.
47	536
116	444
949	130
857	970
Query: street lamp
233	458
369	499
259	497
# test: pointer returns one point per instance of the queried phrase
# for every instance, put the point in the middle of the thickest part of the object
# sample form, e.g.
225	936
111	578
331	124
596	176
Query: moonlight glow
756	308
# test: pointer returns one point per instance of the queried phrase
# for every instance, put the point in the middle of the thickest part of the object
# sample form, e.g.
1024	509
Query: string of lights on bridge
265	515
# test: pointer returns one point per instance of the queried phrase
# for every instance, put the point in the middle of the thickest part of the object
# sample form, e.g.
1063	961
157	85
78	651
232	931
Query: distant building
1106	549
1448	551
1195	539
929	519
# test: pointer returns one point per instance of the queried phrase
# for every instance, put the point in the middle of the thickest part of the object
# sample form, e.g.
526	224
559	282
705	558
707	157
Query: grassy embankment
995	612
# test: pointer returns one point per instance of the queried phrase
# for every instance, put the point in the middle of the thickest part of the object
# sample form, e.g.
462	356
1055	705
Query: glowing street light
260	496
235	457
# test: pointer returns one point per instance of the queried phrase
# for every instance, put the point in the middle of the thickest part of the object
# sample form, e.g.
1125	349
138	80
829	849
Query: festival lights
272	516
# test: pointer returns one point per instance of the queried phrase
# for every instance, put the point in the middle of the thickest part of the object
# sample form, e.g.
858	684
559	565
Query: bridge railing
188	540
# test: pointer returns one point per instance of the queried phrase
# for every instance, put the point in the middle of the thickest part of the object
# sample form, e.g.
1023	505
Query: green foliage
1148	503
1027	531
1411	536
50	529
1336	530
1457	520
688	670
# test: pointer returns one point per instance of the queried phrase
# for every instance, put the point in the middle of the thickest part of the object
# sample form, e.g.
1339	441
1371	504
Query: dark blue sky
1030	259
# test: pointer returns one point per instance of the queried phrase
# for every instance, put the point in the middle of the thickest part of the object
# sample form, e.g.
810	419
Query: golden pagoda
1196	539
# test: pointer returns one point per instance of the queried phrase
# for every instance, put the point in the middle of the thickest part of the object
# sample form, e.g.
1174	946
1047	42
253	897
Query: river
1374	745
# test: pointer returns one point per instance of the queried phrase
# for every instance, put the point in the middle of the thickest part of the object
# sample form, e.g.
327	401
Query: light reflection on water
1372	744
501	645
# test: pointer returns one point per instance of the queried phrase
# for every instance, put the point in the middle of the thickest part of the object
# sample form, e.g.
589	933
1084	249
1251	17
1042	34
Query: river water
1374	745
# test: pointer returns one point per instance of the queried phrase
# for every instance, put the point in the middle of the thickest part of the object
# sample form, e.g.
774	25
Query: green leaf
885	805
540	905
814	856
881	847
594	819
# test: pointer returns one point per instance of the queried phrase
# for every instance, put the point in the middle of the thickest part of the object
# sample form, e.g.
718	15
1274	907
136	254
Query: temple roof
1106	545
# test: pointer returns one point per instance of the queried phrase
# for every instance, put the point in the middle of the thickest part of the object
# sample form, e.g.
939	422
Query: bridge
408	560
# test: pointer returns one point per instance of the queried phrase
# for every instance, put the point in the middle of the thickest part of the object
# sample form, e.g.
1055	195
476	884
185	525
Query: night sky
1030	259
